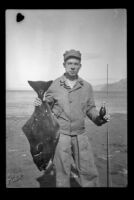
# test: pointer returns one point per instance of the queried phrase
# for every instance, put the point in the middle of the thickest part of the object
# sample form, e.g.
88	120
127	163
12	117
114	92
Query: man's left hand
107	117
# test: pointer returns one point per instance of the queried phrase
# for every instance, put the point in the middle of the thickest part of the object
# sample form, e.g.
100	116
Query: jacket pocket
57	112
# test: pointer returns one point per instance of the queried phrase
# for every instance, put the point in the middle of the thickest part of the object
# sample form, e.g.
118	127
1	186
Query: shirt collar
63	80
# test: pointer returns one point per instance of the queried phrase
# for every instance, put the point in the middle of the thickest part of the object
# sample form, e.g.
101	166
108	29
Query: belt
72	132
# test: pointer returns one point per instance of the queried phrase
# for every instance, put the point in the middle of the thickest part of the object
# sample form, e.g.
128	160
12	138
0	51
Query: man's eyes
73	63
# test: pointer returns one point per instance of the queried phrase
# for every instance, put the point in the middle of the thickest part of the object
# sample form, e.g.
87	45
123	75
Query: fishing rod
108	162
102	113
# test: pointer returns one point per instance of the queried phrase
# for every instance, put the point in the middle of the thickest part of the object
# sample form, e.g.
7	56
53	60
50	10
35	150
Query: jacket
71	106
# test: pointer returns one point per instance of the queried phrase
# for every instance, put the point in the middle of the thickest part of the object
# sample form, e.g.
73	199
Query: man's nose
72	67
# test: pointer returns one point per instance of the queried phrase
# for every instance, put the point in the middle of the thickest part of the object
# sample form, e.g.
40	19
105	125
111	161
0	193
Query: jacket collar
79	83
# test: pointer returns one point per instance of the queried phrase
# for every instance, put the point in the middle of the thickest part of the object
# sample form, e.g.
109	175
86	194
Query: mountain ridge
120	85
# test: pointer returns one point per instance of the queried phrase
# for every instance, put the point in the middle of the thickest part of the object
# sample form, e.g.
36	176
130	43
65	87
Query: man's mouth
72	72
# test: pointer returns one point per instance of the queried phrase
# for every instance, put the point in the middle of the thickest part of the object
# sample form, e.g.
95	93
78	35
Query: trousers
75	150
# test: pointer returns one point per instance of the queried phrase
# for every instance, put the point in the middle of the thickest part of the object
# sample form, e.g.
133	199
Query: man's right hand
37	102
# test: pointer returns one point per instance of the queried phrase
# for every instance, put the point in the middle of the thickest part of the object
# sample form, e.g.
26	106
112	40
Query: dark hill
116	86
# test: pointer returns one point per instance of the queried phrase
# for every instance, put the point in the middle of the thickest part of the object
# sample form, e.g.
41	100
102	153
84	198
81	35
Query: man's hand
102	120
37	102
107	118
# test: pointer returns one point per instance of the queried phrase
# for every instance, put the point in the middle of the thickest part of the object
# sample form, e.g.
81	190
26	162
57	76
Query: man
73	101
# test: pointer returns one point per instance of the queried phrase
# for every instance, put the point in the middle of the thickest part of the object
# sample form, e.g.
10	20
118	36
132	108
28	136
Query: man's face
72	66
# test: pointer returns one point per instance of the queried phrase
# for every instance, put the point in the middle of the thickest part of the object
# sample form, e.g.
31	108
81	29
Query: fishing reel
100	119
102	111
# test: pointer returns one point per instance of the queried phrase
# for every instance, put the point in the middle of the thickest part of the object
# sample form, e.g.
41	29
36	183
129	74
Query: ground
22	173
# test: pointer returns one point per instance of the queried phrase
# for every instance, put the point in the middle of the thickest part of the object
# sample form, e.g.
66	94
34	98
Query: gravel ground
22	173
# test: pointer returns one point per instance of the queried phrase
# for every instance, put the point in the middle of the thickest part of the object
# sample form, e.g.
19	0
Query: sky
35	46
